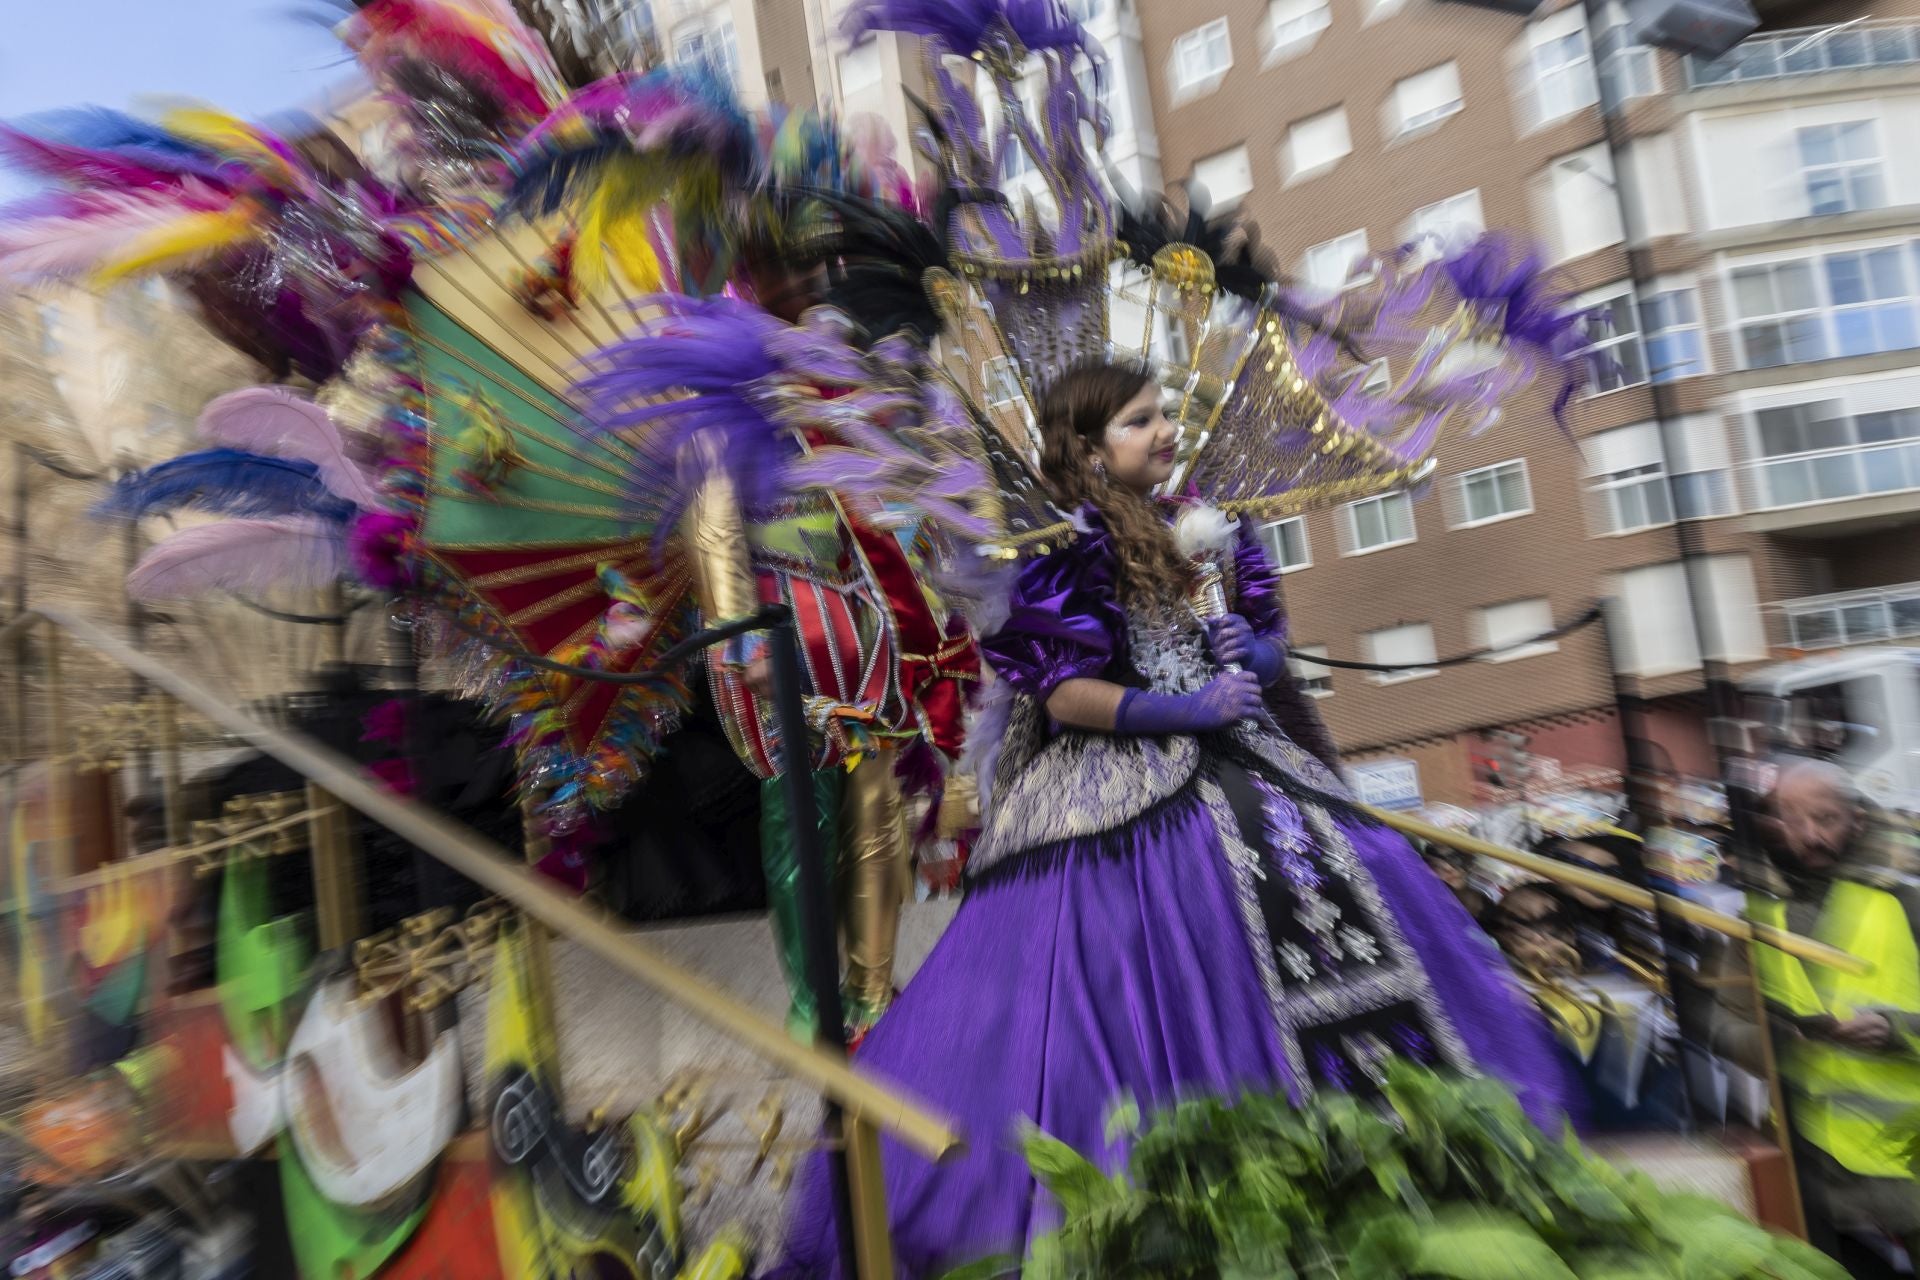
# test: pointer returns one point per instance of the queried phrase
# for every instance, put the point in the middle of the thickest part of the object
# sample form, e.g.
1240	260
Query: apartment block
1747	230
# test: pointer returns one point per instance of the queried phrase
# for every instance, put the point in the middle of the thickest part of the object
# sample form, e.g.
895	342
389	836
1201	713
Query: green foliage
1448	1181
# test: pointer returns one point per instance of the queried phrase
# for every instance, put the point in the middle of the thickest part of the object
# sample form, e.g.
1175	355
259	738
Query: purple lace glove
1226	700
1235	644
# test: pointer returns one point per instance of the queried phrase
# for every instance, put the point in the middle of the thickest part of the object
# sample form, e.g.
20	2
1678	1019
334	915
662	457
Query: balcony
1808	51
1835	487
1876	616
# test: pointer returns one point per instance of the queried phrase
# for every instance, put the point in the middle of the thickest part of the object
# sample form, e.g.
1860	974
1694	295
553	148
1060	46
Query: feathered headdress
620	149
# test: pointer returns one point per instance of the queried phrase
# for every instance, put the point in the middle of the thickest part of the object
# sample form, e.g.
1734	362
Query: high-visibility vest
1846	1099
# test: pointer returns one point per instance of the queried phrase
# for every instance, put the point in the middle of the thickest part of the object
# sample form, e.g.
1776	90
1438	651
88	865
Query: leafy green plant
1448	1179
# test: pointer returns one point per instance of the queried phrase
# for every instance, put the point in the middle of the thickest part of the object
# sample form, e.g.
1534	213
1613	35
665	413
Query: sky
254	58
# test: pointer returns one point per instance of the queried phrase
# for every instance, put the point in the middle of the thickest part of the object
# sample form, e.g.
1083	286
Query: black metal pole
1676	941
819	945
22	494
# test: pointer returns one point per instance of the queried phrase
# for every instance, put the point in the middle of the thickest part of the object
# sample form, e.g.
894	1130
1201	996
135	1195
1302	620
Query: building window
776	88
1653	617
1374	524
860	67
1225	176
1582	208
1613	355
1700	473
1628	70
1294	25
1315	680
1424	100
1202	56
691	49
1841	165
1873	306
1562	69
725	50
49	329
1849	303
1510	630
1816	452
1675	345
1409	648
1286	544
1446	225
1627	479
1085	11
1492	493
1632	483
1014	160
1331	264
1003	381
1779	312
1316	144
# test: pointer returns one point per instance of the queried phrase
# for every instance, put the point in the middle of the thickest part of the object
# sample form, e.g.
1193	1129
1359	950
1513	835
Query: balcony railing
1810	51
1835	475
1874	616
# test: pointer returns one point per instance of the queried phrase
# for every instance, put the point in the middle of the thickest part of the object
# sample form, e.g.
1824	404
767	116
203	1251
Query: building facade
1746	230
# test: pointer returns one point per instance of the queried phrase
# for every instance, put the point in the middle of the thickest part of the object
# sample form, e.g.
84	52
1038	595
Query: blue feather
226	482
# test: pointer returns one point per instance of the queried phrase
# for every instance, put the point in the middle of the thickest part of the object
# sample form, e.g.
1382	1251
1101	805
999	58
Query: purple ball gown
1160	917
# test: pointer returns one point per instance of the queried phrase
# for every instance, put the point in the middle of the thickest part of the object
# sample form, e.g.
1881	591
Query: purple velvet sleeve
1257	587
1064	623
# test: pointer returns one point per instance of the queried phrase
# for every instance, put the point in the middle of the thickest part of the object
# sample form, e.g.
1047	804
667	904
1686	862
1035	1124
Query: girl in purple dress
1173	893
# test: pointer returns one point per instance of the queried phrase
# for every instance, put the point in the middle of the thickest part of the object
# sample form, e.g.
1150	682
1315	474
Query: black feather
878	256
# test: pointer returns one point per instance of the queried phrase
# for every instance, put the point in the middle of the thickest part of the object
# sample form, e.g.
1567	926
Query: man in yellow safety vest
1848	1045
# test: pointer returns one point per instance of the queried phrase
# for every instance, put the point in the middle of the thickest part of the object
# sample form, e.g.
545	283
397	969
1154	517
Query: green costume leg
782	866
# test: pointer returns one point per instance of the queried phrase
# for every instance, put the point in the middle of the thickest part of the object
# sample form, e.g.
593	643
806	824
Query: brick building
1769	215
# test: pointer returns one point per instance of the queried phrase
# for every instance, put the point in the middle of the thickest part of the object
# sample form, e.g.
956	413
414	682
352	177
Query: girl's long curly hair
1074	412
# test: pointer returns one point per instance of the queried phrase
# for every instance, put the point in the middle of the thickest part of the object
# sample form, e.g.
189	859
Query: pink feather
276	422
80	165
103	225
242	556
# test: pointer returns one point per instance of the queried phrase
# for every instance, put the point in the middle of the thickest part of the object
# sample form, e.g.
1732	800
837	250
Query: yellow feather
613	223
187	239
226	134
627	244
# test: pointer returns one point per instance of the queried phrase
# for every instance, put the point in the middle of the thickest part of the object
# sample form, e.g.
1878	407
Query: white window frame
1350	529
1188	80
1567	67
1290	163
858	54
1822	318
1644	485
1613	341
1464	519
1621	59
1406	126
1272	541
1307	673
1407	673
1515	654
1868	464
1223	202
1846	172
1664	289
1355	243
1291	36
1439	227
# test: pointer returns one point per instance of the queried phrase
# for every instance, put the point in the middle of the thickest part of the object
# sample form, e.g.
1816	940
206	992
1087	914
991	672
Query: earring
1099	466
